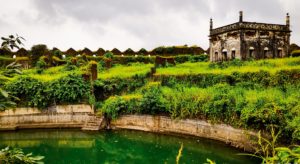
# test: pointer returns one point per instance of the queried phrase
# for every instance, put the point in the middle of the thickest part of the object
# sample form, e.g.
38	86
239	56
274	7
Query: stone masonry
244	40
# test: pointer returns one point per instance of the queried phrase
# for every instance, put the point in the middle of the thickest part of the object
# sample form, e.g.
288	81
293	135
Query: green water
122	146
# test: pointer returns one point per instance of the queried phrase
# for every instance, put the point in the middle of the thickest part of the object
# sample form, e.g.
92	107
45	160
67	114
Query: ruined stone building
244	40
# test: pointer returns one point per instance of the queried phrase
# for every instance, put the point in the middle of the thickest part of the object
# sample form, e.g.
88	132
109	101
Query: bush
31	92
105	88
116	105
261	78
109	55
153	102
222	104
113	107
295	53
69	89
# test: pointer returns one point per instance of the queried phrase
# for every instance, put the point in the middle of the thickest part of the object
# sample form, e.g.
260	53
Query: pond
119	146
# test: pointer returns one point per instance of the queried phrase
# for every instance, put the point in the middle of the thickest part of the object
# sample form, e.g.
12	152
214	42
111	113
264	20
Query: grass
49	74
270	65
122	71
119	71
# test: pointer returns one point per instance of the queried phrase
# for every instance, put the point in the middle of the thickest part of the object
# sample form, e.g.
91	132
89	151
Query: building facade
244	40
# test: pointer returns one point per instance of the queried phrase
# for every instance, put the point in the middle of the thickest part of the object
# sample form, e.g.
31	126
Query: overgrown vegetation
245	94
268	151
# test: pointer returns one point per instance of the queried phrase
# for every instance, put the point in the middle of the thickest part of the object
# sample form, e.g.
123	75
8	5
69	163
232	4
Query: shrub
264	108
69	89
153	102
105	88
109	55
222	104
31	92
116	105
295	53
113	107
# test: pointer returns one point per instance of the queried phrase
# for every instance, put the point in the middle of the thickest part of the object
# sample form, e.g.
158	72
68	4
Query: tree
37	51
11	42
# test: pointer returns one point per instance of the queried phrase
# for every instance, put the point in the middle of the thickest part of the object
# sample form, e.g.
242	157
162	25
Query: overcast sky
134	23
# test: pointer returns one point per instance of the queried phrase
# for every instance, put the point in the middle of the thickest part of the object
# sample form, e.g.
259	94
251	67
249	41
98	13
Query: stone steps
8	127
94	124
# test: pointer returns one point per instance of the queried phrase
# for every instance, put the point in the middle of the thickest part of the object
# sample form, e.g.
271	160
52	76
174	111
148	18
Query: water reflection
74	146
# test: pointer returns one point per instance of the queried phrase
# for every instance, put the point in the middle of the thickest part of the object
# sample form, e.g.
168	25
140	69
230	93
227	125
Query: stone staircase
94	124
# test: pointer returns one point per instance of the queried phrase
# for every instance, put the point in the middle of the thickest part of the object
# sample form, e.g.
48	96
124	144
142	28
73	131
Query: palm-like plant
12	69
11	42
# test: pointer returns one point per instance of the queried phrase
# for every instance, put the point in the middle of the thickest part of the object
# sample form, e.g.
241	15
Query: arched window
224	54
233	53
251	50
266	49
216	55
279	52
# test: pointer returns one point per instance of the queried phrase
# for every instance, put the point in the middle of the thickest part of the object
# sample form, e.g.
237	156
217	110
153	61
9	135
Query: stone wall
234	137
63	116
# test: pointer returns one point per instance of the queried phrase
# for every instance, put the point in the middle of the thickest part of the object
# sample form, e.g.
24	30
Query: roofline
215	30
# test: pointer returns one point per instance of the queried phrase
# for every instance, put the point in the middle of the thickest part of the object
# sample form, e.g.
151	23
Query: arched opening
216	56
279	52
224	54
233	53
251	51
266	49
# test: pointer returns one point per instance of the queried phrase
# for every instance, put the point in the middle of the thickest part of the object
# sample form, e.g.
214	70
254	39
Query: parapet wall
234	137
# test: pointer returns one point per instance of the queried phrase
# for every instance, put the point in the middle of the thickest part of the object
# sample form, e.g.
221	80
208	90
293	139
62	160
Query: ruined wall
265	44
225	47
234	137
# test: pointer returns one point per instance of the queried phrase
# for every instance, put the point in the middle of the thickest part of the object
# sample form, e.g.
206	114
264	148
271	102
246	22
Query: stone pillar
94	72
241	16
211	24
286	53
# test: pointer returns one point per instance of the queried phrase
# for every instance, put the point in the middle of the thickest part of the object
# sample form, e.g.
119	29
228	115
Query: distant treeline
162	51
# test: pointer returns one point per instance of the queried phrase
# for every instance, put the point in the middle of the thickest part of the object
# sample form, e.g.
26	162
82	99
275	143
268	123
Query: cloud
133	23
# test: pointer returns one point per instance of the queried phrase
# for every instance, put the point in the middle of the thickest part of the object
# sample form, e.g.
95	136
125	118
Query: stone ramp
94	124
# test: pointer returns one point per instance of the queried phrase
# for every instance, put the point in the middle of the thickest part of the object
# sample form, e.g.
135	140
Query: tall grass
269	65
122	71
49	74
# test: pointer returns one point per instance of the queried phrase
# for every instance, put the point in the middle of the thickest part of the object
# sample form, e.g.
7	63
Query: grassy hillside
249	94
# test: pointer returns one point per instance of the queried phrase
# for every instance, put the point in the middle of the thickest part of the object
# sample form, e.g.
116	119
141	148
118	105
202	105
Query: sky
134	24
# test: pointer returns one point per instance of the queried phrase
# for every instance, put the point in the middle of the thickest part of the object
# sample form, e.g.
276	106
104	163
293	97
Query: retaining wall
234	137
63	116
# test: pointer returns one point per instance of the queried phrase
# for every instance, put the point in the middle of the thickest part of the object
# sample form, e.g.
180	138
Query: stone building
244	40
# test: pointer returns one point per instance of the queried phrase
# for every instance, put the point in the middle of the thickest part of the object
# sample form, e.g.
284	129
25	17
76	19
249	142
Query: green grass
49	74
270	65
122	71
119	71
